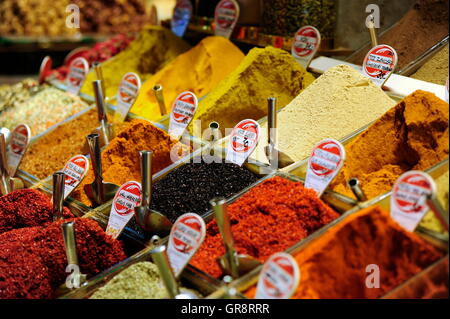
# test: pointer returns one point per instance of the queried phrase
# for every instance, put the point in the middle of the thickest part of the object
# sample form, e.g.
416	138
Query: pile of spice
426	23
436	69
199	70
16	94
153	49
430	221
45	109
189	188
243	94
411	136
334	265
100	52
335	105
33	260
120	159
138	281
26	208
270	218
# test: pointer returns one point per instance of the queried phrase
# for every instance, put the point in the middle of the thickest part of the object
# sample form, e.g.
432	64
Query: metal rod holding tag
58	195
158	90
102	118
355	186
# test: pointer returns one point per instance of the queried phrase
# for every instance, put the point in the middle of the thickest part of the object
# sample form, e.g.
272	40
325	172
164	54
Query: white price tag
183	110
279	277
127	198
75	170
306	43
409	195
181	16
380	63
325	162
78	70
126	95
243	140
186	237
44	70
18	145
226	17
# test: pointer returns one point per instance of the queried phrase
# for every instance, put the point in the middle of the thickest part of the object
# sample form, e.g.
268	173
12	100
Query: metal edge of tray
413	66
189	277
249	280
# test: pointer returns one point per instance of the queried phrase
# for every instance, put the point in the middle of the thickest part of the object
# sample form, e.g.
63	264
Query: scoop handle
94	151
58	195
146	172
5	178
165	270
100	103
68	231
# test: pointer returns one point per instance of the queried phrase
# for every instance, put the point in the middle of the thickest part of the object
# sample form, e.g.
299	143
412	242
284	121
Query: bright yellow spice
150	52
199	70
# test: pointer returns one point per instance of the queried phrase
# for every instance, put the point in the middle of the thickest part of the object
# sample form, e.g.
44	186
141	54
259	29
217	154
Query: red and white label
409	195
279	277
226	17
45	69
127	198
181	16
126	95
183	110
77	72
325	162
18	145
306	43
243	140
75	170
186	237
380	63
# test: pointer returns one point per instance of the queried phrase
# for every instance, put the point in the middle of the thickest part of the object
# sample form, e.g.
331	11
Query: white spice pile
338	103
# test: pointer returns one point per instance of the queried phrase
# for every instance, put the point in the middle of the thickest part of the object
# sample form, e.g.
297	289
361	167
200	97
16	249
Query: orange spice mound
411	136
334	265
121	160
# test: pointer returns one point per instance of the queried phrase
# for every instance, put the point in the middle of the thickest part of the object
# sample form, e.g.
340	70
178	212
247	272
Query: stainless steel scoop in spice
7	184
150	220
99	74
58	195
276	158
98	192
439	211
165	270
158	90
355	186
232	263
105	128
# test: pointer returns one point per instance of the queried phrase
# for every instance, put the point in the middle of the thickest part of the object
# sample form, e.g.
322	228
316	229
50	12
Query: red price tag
306	43
20	139
225	17
126	95
45	69
183	111
380	63
77	72
75	170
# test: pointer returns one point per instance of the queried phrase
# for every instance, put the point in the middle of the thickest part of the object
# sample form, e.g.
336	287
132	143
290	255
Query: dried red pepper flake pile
269	218
33	259
26	208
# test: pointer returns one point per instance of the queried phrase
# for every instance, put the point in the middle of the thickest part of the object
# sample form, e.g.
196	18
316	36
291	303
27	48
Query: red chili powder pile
269	218
26	208
33	260
334	265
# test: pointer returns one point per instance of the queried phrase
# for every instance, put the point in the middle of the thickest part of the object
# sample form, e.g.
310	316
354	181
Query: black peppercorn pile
189	188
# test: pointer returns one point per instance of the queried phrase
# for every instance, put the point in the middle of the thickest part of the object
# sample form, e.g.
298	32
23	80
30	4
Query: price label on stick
75	170
279	277
409	198
78	70
181	16
325	162
183	110
45	69
186	237
243	140
18	145
127	198
380	63
306	43
226	17
126	95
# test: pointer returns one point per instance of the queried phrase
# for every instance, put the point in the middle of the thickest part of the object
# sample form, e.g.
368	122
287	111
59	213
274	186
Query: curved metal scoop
148	219
275	157
231	263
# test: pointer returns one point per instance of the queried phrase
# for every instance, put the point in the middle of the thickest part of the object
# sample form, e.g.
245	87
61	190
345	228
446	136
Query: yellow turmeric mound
243	94
411	136
150	52
199	70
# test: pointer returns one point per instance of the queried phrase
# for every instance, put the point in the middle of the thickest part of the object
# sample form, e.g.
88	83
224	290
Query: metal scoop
276	158
231	263
150	220
355	186
98	192
7	184
58	195
158	90
165	270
